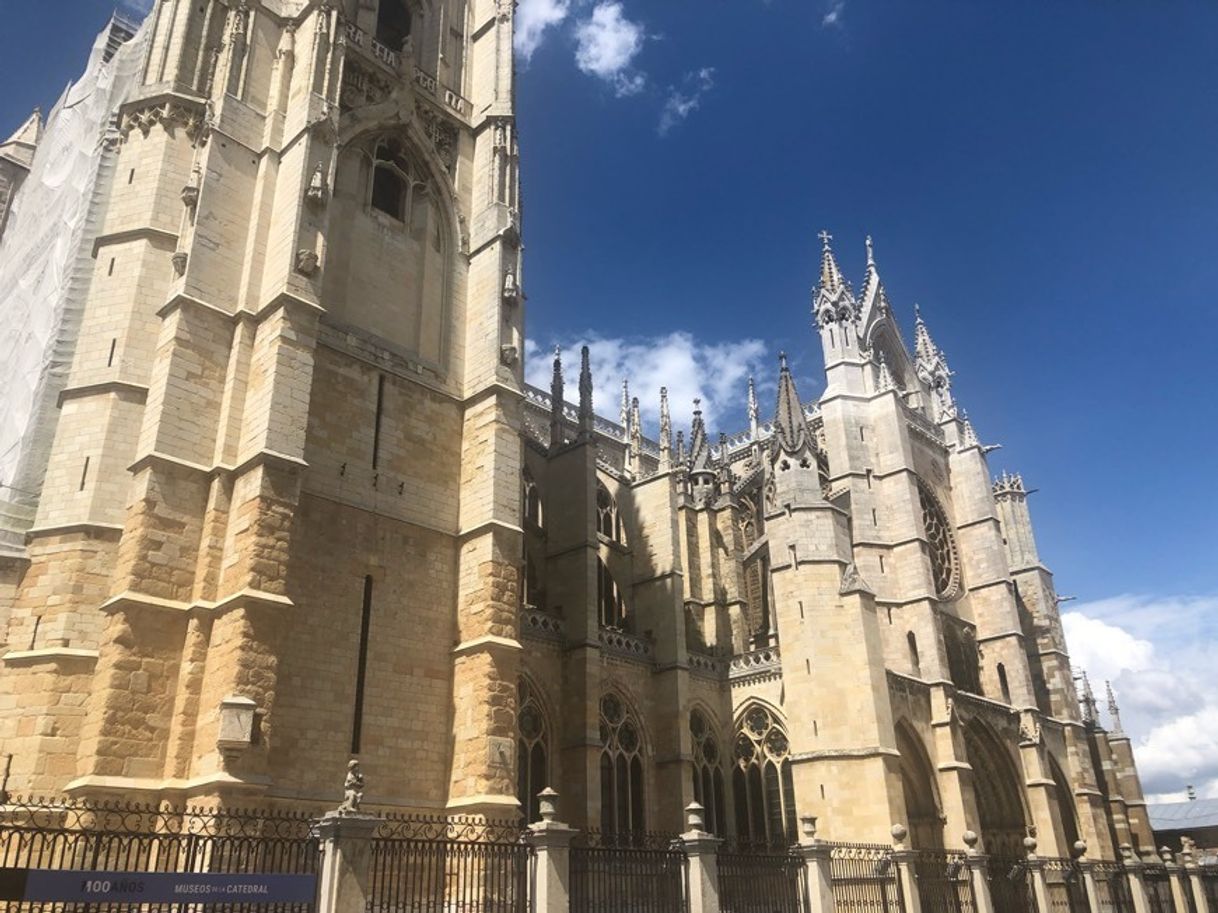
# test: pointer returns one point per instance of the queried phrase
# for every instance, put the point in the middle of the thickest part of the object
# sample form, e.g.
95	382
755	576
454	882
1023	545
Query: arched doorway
922	809
997	789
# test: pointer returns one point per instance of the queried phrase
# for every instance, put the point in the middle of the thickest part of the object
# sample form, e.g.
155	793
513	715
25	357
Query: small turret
753	423
665	432
931	364
701	468
837	319
1114	712
585	395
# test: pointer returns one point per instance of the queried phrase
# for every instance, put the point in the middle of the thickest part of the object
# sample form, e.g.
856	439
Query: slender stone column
815	853
1036	868
1093	895
701	847
551	840
1137	887
346	861
1192	875
902	858
978	873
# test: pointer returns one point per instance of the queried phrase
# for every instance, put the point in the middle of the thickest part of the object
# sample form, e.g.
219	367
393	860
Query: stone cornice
46	655
103	387
146	233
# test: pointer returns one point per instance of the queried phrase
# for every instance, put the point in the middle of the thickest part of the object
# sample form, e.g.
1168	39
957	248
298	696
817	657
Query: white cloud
717	373
1158	653
533	19
606	43
683	100
833	18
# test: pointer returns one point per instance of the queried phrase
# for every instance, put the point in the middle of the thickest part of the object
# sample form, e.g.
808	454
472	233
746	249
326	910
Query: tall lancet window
531	755
762	782
621	768
707	771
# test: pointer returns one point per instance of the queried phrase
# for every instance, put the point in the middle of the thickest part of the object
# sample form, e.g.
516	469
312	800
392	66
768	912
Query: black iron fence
864	878
439	865
1066	886
1209	885
1010	884
628	873
1111	888
944	882
760	879
64	834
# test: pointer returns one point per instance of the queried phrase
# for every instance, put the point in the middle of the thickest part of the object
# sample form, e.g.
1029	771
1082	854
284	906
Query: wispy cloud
833	18
533	19
137	8
684	99
1158	652
715	372
606	44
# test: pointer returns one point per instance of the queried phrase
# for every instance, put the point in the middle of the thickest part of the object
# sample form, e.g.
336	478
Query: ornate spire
870	253
556	400
680	448
831	280
665	432
753	425
790	425
635	451
585	395
1114	712
699	447
624	412
931	364
968	437
1089	705
884	381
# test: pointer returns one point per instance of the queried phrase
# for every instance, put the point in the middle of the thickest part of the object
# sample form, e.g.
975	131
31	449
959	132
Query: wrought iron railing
1066	887
436	865
760	879
1010	887
864	878
944	882
1209	885
639	873
110	836
1111	888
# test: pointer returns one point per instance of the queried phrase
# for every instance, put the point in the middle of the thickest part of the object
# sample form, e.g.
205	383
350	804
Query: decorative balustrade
706	663
536	623
630	646
763	662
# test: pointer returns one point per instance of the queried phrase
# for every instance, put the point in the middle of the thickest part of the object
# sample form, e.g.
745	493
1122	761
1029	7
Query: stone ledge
131	599
105	386
487	642
165	785
45	655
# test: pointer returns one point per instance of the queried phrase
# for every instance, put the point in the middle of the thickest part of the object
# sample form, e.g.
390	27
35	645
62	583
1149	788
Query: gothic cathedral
296	504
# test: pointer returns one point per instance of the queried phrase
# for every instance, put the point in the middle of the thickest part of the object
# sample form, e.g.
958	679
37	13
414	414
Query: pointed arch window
397	188
532	755
621	768
531	500
608	519
393	23
761	780
611	603
707	771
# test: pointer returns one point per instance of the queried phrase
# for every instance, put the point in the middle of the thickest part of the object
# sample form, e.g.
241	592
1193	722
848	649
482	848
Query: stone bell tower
286	467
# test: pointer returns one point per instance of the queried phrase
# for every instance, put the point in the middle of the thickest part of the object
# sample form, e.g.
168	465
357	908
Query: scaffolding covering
46	266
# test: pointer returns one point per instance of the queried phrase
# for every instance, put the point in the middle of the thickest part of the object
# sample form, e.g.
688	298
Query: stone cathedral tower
294	503
291	423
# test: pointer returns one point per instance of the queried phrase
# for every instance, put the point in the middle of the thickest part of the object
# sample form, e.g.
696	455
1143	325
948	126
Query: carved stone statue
353	789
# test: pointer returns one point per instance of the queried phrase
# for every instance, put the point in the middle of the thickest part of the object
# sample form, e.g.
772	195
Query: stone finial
1088	703
1166	855
1127	853
585	395
665	432
1029	845
634	450
694	817
624	411
1188	847
870	252
968	436
753	413
899	833
970	842
353	789
556	400
884	381
547	801
1079	849
680	447
1114	712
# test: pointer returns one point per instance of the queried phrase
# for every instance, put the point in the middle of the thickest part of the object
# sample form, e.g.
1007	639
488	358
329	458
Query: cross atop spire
825	238
870	252
832	283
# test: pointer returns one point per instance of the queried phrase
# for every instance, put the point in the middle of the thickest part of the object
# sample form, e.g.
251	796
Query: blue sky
1042	177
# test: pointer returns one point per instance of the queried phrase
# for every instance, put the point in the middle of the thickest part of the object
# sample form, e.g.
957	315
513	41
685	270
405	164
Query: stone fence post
903	859
1137	886
1087	869
1177	879
1036	869
551	842
817	868
1192	876
346	861
978	873
701	848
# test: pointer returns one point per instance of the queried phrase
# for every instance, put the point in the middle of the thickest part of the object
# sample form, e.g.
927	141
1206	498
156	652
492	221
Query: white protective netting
45	269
